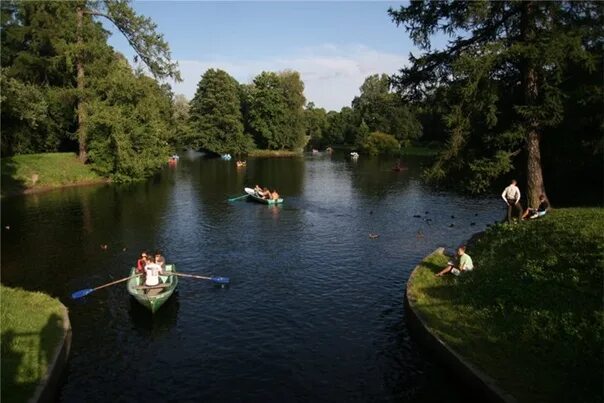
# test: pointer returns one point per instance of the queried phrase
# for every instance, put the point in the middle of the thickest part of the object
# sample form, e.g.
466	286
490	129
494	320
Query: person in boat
159	259
258	190
141	262
274	195
539	211
265	193
464	263
152	272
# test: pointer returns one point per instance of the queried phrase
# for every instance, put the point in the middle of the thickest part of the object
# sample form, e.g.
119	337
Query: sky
333	45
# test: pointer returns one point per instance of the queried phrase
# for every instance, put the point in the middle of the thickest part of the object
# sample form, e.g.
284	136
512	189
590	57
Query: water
314	311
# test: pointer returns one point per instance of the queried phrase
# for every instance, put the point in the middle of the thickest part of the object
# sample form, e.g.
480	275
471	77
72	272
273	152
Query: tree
215	115
181	108
130	123
316	124
385	111
517	49
275	110
141	34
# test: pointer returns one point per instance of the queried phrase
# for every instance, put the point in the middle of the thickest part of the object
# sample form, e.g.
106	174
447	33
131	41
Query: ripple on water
314	310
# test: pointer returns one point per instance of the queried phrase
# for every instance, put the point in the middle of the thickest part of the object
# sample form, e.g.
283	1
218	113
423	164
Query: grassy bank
274	153
530	315
31	172
32	327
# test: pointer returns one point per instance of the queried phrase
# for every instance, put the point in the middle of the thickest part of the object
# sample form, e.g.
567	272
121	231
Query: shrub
378	143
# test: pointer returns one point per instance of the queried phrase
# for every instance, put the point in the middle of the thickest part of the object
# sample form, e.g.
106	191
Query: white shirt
511	193
152	270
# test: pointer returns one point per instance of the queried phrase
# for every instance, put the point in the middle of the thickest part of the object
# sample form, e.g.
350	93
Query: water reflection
314	306
154	325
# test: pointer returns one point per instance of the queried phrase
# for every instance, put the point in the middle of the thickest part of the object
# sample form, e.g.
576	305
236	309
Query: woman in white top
152	271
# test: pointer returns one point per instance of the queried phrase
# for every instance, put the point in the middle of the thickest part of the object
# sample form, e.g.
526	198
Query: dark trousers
514	206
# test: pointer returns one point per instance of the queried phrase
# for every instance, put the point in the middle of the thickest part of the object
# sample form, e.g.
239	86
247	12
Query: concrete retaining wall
479	383
48	388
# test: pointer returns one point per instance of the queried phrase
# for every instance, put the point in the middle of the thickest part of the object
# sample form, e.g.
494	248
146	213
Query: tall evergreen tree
517	48
215	115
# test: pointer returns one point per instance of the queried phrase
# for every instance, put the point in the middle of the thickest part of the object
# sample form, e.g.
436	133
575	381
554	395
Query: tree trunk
534	184
81	110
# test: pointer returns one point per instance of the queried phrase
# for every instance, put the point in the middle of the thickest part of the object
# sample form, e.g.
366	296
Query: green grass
52	170
530	315
32	327
274	153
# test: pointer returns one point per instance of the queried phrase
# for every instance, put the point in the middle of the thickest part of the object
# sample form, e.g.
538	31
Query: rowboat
153	297
252	194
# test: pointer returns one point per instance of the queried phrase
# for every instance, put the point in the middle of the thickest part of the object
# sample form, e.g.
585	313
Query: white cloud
332	75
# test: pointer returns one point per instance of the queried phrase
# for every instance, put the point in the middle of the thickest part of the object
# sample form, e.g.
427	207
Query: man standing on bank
511	196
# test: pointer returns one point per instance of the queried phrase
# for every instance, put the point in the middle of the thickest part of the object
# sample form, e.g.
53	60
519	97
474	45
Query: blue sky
334	45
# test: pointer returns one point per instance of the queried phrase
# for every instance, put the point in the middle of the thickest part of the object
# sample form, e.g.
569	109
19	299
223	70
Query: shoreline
479	383
48	188
49	385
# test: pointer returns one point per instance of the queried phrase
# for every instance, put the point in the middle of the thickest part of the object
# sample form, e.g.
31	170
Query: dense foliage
506	79
530	314
215	115
65	89
276	110
377	143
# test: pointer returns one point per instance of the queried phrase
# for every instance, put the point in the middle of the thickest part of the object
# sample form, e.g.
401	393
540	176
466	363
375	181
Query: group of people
266	194
511	196
150	267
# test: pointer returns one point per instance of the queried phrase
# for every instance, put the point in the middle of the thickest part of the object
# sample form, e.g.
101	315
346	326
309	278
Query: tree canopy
128	116
215	115
503	69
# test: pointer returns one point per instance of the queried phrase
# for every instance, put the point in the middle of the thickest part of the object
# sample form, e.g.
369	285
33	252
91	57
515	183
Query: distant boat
226	157
354	155
155	296
252	193
315	151
175	157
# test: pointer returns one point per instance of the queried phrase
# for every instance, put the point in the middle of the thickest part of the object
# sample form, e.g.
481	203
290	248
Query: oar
217	280
237	198
84	292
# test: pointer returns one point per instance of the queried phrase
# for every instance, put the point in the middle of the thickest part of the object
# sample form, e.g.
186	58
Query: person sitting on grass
465	263
539	211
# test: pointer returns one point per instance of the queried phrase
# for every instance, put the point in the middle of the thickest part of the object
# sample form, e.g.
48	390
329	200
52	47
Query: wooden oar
237	198
84	292
217	280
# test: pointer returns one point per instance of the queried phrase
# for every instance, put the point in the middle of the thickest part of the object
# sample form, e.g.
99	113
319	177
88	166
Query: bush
378	143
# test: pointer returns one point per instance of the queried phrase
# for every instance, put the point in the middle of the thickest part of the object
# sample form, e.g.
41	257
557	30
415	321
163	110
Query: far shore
47	188
274	153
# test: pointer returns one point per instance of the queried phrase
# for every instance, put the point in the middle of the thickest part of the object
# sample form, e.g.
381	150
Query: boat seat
148	287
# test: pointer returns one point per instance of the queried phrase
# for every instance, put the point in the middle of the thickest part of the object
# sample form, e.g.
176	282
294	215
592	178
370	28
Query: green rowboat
153	298
252	194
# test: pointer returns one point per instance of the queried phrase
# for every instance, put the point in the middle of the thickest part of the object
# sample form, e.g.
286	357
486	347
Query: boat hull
252	195
153	301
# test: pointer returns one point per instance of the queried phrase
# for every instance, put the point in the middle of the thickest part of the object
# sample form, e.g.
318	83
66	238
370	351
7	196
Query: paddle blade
221	280
81	293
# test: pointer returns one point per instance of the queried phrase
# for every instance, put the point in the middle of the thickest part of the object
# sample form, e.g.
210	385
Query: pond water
314	310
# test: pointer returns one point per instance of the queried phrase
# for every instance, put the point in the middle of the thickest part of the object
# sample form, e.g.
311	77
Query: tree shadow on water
25	359
10	185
